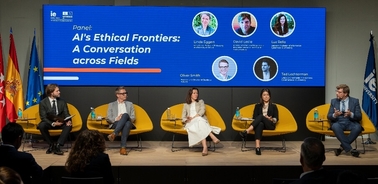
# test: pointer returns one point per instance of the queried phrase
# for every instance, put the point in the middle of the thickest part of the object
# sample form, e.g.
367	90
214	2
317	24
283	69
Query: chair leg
139	143
23	145
211	148
244	144
363	145
173	141
283	144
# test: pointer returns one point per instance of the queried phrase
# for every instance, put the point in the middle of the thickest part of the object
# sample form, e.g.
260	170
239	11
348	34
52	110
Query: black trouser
44	128
260	123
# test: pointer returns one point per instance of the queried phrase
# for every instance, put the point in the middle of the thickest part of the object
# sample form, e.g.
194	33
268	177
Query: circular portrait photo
265	68
244	24
282	24
224	68
205	24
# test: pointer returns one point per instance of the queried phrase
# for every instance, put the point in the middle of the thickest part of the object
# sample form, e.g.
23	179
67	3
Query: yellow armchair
323	126
33	119
142	123
177	127
286	124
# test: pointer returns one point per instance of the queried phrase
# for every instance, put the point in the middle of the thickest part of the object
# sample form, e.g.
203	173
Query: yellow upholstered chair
323	126
286	124
177	127
142	122
33	119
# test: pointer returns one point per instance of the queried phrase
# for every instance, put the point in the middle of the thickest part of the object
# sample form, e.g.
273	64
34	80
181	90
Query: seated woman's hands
269	117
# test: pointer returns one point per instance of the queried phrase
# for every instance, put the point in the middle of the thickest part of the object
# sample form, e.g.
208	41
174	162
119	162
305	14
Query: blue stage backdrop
183	46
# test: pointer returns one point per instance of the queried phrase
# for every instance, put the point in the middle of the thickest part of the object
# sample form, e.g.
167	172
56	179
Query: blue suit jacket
354	107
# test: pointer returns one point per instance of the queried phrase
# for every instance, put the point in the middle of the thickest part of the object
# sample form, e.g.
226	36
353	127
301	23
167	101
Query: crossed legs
124	125
355	130
204	145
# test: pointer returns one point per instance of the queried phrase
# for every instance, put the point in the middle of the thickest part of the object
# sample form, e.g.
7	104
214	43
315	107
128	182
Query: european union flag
35	88
369	96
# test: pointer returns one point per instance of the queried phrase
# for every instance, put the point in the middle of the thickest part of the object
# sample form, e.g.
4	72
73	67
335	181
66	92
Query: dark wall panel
156	99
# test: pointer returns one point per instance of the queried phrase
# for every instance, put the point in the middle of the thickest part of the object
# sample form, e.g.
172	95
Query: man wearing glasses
345	114
223	69
121	116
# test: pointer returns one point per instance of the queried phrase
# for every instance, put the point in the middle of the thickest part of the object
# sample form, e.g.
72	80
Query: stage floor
227	153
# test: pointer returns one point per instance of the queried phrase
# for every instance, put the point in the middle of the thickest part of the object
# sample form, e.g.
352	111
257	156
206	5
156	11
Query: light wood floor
228	153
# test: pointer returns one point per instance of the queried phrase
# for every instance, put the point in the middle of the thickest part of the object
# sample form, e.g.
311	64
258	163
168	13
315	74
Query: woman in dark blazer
87	158
265	116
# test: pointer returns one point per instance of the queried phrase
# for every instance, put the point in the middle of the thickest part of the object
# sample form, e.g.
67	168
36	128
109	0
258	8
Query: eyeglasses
223	66
125	93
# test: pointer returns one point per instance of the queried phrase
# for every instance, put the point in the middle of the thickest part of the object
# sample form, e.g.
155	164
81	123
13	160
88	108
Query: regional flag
13	84
369	96
35	88
2	94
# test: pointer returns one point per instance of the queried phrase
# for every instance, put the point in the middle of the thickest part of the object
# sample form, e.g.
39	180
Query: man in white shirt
265	71
121	116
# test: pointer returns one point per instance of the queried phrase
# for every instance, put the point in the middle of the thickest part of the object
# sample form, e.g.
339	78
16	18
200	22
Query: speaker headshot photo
282	24
265	68
205	24
244	24
224	68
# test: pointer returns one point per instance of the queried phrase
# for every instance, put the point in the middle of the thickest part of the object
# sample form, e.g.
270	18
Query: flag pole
368	140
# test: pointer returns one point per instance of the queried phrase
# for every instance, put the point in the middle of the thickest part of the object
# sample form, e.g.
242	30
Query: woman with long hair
87	157
265	116
196	124
205	29
281	27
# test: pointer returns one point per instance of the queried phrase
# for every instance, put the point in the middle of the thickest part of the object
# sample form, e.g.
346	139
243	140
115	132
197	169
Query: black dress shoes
57	150
243	134
355	153
51	149
258	151
338	151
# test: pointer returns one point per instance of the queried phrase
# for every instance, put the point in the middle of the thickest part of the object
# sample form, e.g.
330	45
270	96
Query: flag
13	84
35	88
2	95
369	94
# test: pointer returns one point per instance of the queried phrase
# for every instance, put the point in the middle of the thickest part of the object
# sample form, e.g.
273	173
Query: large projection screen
183	46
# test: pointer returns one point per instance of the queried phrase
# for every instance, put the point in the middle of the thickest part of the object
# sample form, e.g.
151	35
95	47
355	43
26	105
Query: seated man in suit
23	163
121	116
52	110
345	114
312	158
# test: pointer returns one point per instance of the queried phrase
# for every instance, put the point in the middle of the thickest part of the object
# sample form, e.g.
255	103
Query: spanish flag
13	84
2	94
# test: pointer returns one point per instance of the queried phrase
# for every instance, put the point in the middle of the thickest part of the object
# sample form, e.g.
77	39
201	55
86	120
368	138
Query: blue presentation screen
183	46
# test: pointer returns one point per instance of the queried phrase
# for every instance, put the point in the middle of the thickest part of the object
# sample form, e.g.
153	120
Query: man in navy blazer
345	114
23	163
312	157
120	116
50	107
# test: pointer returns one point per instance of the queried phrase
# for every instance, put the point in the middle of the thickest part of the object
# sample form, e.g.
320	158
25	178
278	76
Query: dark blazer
259	73
250	30
321	176
272	110
98	167
354	107
45	108
23	163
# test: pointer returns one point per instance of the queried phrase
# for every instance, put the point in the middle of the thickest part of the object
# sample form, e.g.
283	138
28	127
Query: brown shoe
123	151
111	137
